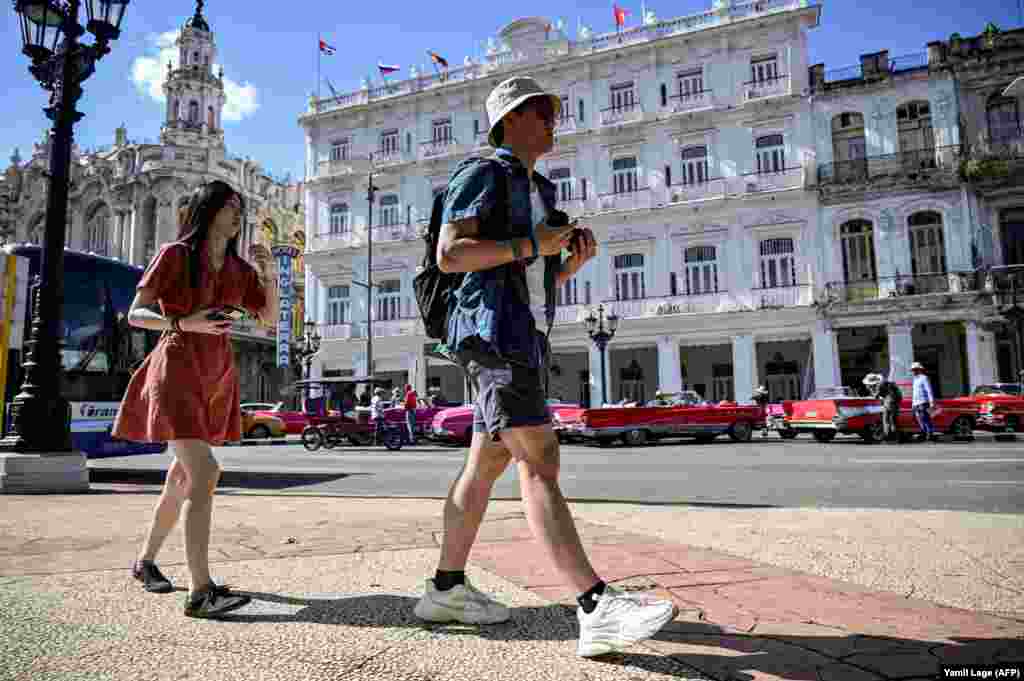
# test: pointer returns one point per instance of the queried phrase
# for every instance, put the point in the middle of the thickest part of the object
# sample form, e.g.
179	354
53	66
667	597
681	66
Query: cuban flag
387	69
325	48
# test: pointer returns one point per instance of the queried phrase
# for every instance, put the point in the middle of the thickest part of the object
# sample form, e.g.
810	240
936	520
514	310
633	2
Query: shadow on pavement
687	647
229	478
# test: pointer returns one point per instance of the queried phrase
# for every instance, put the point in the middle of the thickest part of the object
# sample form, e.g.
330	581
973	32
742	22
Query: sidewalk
334	582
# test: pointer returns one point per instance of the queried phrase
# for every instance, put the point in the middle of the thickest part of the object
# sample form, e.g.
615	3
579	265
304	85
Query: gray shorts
507	396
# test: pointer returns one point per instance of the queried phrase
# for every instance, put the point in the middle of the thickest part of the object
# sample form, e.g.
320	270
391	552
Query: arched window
389	299
210	117
927	252
97	230
195	57
176	109
388	210
778	266
631	383
1003	116
338	219
700	270
193	112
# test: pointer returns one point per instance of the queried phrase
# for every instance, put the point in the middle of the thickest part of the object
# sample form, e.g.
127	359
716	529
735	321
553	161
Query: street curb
264	443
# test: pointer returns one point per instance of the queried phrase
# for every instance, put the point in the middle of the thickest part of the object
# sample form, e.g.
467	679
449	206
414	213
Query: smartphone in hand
228	313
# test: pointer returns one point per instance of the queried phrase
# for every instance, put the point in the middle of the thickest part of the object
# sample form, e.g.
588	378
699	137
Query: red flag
325	48
438	59
620	15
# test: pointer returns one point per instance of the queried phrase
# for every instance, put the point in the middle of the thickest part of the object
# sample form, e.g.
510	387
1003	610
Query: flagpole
318	51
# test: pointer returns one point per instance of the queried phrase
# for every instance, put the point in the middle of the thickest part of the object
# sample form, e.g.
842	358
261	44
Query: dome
197	20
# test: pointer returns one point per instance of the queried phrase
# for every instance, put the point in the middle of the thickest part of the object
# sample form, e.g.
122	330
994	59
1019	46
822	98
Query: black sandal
152	579
213	602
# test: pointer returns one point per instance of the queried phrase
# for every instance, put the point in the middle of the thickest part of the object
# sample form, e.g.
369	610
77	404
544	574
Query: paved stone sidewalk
334	582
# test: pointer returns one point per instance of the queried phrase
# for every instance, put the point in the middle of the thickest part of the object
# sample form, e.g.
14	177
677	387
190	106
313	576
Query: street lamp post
310	346
371	192
40	416
601	336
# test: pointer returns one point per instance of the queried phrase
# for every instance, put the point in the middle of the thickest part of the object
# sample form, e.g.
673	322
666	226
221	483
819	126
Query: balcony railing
390	157
618	115
337	167
574	207
698	191
1006	284
902	285
762	89
906	164
752	183
565	125
798	295
693	101
330	240
707	303
480	139
634	200
382	328
398	231
434	148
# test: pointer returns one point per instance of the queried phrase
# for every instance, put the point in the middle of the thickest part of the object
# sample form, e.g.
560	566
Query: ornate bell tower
195	95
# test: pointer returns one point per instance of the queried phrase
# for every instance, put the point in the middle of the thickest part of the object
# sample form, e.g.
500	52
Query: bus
99	350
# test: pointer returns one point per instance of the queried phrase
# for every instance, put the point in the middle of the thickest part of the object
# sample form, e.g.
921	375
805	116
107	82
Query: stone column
901	351
137	238
670	374
826	356
981	355
744	367
416	370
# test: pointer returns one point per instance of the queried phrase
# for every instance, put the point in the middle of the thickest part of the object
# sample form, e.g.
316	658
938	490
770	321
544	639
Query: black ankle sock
588	600
446	579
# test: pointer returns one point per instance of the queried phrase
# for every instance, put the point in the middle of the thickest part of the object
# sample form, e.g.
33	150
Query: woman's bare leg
165	515
203	473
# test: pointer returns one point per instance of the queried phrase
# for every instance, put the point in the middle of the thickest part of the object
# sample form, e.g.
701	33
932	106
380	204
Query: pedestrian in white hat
923	400
498	216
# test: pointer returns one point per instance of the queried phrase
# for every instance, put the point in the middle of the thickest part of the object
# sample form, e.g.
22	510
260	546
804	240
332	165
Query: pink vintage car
424	418
454	425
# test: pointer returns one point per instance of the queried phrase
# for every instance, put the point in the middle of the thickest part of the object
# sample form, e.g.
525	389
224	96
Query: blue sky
268	50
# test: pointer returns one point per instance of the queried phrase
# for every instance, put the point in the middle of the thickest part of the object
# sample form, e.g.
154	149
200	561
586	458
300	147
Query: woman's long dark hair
206	202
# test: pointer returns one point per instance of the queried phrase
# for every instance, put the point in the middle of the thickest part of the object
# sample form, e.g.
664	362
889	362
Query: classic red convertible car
833	411
1000	407
683	414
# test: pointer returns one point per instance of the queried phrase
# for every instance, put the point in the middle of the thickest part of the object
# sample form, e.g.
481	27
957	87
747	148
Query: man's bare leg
467	500
536	450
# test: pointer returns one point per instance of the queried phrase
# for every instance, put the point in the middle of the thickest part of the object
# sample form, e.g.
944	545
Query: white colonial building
708	157
124	198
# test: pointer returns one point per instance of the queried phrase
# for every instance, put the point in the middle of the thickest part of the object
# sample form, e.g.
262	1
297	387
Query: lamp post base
43	473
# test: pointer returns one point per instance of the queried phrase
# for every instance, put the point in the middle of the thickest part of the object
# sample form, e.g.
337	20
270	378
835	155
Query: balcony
709	303
699	191
899	286
800	295
693	101
621	115
635	200
574	207
565	125
335	168
907	165
395	232
330	240
438	148
754	183
383	328
391	157
757	90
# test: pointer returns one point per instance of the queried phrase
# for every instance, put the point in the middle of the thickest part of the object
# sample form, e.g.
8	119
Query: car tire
635	438
312	438
467	437
873	434
258	432
741	431
393	440
824	435
788	434
1012	424
962	428
706	439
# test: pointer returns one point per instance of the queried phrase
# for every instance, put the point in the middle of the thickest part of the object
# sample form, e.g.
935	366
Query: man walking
922	403
411	402
491	229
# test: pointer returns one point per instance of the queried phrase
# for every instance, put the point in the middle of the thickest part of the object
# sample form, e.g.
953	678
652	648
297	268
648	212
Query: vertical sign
284	255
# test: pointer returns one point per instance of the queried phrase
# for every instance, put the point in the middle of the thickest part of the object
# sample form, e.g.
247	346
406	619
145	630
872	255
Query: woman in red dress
186	392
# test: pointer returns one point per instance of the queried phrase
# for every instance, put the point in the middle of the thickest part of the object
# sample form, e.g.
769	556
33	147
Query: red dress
187	388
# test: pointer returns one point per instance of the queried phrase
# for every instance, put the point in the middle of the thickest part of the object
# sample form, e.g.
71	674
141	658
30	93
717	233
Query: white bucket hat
872	379
509	94
917	365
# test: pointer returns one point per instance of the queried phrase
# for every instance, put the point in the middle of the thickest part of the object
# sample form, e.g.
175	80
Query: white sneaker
620	620
462	603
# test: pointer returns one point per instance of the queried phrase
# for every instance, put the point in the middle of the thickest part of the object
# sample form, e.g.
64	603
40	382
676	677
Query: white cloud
150	71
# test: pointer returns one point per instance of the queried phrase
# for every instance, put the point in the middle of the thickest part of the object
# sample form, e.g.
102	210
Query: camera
558	218
227	313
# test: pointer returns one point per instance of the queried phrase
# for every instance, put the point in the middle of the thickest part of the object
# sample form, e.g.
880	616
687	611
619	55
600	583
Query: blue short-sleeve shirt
491	310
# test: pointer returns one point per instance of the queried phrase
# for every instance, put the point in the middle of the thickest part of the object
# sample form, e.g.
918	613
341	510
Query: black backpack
432	287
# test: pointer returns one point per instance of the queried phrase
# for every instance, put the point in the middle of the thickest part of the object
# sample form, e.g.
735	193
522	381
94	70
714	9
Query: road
983	476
